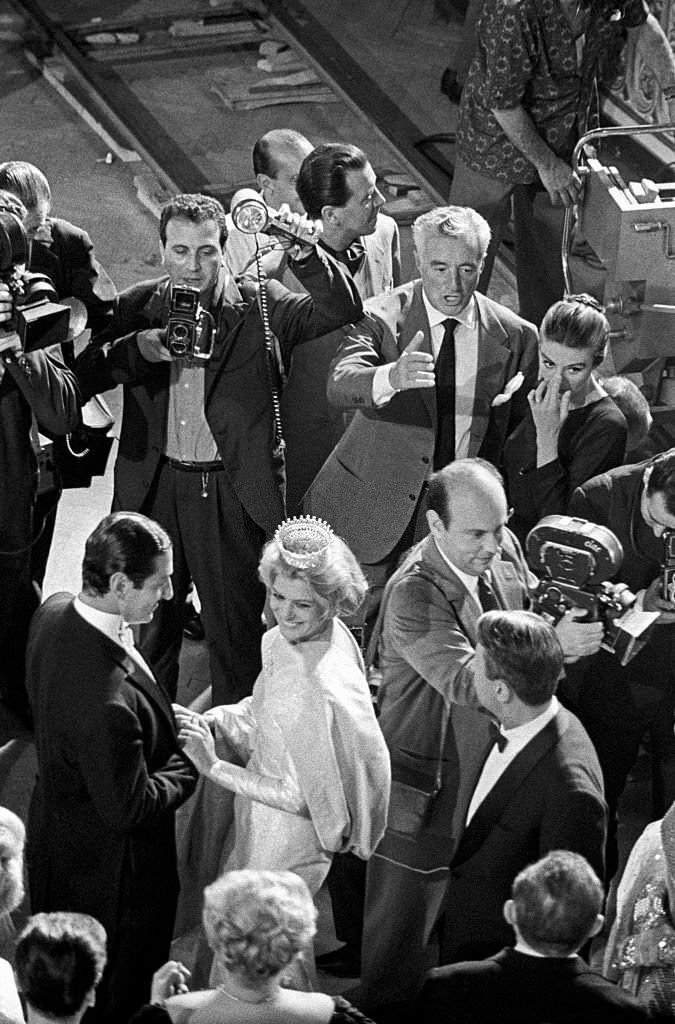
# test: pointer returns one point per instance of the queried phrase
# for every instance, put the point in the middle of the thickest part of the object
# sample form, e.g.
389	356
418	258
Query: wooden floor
403	44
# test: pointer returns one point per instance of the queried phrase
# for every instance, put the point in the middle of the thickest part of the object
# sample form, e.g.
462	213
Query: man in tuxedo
110	770
468	564
619	704
539	788
554	909
436	372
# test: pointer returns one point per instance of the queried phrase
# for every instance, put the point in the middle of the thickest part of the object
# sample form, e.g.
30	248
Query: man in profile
110	771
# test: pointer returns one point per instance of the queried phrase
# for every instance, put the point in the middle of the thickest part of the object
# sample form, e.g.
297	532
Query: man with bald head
469	563
277	156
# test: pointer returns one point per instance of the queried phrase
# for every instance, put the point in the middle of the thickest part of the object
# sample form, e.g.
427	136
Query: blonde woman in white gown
316	776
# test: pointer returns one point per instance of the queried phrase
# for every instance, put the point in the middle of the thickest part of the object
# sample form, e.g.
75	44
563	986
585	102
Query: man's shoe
450	86
343	962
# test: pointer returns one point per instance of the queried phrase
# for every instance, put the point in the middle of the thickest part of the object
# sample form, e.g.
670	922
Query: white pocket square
510	390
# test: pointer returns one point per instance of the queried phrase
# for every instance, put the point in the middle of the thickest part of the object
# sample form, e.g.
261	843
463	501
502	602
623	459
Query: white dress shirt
470	582
114	627
498	760
466	368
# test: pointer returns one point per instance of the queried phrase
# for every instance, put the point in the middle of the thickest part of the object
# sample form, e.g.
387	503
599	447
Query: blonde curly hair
257	922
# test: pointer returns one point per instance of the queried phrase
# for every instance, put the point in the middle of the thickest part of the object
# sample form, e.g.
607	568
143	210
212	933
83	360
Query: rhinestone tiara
303	541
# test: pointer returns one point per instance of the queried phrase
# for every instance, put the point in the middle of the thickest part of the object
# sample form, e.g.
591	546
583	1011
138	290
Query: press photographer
620	705
64	253
33	383
200	447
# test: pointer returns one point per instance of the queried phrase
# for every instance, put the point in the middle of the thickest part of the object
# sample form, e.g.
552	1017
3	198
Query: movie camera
575	559
38	319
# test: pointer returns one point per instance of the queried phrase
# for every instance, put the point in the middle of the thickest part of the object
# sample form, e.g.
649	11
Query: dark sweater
591	441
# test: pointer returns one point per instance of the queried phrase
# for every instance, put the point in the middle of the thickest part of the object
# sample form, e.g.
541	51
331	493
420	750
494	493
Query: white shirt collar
470	582
520	735
466	317
522	947
109	623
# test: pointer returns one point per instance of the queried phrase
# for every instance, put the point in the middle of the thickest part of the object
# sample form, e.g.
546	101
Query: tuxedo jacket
369	486
514	988
549	797
110	776
237	400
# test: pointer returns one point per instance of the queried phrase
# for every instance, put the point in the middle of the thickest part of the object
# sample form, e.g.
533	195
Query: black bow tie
498	737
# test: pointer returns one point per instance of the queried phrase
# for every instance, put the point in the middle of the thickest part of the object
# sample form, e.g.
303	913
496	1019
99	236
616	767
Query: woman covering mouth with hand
574	431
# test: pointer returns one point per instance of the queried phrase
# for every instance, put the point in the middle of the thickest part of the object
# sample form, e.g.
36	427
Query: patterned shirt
527	55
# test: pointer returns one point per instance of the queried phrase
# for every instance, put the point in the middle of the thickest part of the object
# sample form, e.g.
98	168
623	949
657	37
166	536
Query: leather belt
194	467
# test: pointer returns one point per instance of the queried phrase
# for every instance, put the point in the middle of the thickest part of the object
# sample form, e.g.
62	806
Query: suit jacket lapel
371	278
492	358
229	316
490	811
151	689
506	585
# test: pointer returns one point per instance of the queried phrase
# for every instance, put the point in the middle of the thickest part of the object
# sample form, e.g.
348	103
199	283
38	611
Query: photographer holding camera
34	385
199	447
619	704
65	254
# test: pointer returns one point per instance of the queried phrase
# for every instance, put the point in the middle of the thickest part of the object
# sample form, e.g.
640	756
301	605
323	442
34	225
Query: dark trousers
44	521
18	602
346	883
137	948
537	235
618	714
217	545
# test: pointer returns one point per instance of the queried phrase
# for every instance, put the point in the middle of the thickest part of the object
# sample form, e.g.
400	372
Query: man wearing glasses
619	705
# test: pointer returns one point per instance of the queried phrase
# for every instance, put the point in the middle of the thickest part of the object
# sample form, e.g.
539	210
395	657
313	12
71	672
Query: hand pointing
413	369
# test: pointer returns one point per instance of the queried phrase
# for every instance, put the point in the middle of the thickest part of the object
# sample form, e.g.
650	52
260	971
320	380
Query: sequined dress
640	954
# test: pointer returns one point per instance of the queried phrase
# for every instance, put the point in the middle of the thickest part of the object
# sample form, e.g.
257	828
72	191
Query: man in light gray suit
469	563
436	372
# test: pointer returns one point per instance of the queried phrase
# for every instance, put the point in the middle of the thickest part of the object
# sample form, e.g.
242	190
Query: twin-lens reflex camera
190	330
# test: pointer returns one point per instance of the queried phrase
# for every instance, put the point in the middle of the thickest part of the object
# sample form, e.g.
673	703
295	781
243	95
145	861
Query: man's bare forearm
557	177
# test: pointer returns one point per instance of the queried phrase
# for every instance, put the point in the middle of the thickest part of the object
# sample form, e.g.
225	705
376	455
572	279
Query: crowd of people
463	812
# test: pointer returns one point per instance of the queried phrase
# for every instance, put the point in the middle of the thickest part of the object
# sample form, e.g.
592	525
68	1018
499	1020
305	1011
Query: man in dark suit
470	562
554	909
539	789
199	447
110	771
436	372
65	253
618	704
